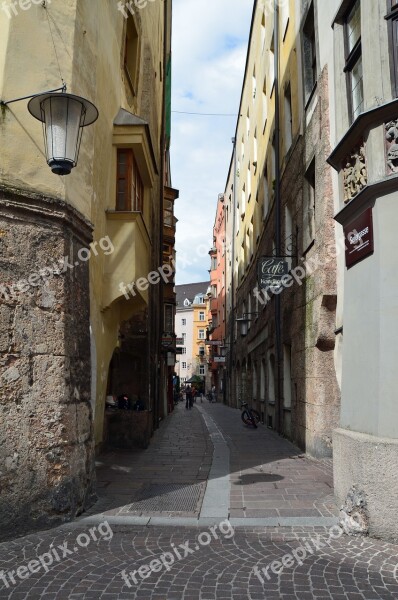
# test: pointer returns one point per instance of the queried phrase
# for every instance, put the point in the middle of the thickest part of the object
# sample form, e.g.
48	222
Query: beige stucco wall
89	38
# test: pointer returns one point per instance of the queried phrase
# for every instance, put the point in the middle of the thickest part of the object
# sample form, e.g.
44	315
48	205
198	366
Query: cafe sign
271	270
359	238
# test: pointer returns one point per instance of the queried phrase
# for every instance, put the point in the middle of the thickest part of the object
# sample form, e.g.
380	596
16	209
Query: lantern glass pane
63	117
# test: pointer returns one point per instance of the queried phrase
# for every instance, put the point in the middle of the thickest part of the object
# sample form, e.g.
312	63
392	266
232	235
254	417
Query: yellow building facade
98	322
199	348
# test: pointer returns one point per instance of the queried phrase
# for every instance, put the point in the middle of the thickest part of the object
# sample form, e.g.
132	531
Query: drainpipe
232	317
278	245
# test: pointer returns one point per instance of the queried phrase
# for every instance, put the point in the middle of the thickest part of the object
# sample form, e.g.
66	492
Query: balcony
214	305
130	259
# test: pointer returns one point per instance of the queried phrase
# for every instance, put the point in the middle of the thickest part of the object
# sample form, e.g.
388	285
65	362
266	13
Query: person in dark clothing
189	396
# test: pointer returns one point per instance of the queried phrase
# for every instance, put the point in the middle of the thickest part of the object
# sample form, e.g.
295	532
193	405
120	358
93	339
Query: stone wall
46	449
308	307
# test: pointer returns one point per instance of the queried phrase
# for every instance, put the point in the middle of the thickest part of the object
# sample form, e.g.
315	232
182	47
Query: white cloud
209	53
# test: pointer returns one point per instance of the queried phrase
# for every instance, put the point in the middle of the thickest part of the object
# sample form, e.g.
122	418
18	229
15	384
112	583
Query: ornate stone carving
355	173
391	129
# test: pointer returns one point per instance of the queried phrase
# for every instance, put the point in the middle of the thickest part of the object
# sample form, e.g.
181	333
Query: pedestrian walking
213	394
189	397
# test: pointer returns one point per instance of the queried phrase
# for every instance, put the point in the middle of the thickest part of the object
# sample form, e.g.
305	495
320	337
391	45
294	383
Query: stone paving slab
270	477
180	453
127	564
250	474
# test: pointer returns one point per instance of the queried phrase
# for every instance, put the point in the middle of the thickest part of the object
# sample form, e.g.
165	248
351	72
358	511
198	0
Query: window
213	263
265	104
201	351
289	245
262	381
255	150
309	52
202	370
248	123
262	32
353	68
272	64
183	322
184	365
184	336
129	189
249	311
183	350
266	193
254	381
201	334
284	8
309	206
287	376
243	200
168	213
273	160
201	315
393	35
169	317
131	54
288	118
271	377
254	84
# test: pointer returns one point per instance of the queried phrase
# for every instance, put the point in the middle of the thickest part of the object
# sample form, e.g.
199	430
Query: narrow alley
212	509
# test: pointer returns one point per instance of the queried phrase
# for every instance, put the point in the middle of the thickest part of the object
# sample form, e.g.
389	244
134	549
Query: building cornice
31	206
366	199
367	119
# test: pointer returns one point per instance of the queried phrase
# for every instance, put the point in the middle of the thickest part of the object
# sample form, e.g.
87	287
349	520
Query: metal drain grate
170	497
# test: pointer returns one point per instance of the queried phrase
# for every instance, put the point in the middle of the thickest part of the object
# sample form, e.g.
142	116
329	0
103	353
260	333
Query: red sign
359	238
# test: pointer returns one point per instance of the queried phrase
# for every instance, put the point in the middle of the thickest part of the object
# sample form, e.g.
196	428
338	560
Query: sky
210	40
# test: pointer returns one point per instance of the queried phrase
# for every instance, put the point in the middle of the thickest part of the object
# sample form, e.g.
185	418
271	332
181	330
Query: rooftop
190	290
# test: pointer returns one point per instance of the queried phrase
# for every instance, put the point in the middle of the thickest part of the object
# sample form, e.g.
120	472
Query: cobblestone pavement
122	560
347	569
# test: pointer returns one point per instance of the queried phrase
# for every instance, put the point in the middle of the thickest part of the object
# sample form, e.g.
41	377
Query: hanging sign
271	270
359	238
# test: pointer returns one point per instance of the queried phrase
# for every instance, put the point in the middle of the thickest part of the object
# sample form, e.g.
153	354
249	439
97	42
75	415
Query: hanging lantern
63	117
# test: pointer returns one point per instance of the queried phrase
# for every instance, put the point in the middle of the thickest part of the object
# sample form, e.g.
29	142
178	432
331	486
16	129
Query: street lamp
63	117
244	321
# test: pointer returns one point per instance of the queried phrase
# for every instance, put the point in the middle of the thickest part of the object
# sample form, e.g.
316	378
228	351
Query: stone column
46	446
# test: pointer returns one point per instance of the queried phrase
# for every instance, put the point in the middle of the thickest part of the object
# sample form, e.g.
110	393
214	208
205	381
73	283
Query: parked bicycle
249	416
